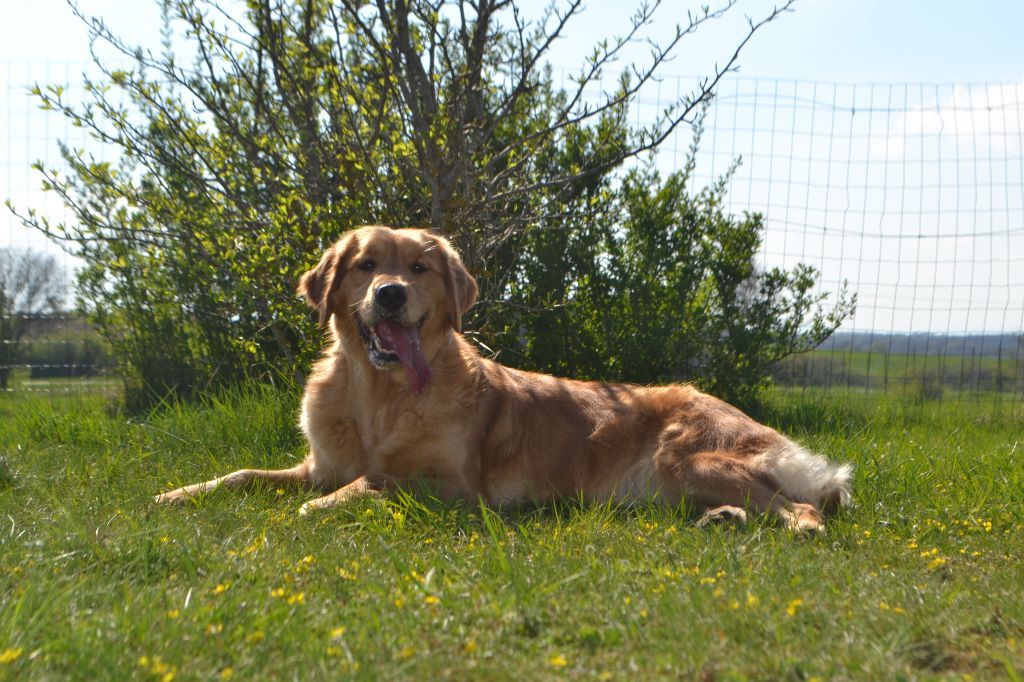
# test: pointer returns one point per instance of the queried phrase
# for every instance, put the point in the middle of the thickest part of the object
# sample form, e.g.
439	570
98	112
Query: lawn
921	578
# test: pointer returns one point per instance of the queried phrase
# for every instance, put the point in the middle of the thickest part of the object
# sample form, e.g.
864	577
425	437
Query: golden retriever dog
401	397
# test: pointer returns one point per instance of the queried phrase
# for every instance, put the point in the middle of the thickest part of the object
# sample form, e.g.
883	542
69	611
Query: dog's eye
368	265
418	267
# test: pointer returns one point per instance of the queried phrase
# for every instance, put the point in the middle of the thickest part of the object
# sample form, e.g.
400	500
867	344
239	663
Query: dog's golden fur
476	429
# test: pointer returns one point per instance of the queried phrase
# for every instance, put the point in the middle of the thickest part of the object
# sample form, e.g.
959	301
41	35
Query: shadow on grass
6	475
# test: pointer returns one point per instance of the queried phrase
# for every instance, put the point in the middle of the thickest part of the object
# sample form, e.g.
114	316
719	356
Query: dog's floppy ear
318	284
459	285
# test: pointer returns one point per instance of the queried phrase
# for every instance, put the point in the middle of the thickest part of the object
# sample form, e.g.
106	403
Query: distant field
878	364
101	383
880	370
921	579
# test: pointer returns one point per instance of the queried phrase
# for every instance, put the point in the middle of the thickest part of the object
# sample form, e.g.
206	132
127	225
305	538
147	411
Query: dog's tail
807	477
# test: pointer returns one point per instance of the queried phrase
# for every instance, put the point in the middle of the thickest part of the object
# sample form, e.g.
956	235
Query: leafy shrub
236	173
667	290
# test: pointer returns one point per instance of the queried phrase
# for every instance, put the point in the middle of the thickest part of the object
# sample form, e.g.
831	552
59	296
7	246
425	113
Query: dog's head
396	292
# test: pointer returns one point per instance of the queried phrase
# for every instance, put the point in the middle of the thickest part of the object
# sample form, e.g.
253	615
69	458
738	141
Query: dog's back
542	437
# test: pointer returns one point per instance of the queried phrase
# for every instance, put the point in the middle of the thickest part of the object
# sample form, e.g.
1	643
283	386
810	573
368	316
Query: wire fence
42	349
910	194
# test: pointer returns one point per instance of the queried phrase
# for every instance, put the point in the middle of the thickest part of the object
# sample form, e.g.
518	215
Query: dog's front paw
179	496
325	502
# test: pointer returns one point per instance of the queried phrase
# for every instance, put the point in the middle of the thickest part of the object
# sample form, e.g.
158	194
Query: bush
666	290
236	173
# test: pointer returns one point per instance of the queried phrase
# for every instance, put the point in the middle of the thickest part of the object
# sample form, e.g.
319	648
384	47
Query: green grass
921	578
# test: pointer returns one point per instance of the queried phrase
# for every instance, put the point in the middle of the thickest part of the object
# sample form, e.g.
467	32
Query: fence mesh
911	194
42	349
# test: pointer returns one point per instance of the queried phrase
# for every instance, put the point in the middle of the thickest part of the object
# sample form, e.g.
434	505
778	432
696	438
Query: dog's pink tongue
405	342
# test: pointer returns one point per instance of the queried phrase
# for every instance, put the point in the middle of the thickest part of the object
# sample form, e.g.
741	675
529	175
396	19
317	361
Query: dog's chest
408	444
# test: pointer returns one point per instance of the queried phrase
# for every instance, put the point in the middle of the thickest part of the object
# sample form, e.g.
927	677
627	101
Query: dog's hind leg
720	480
298	476
724	514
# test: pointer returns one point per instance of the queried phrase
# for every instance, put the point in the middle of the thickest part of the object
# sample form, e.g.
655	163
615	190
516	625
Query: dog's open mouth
389	344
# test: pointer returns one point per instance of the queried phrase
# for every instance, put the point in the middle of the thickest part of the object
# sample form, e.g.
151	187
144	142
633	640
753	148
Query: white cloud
985	117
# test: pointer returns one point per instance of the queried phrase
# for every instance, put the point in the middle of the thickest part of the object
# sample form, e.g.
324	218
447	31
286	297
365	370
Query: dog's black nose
390	297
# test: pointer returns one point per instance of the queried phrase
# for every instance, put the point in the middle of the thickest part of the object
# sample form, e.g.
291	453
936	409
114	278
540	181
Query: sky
846	40
917	103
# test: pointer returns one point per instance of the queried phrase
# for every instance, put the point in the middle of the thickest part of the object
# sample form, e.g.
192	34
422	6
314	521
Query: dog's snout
390	297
